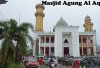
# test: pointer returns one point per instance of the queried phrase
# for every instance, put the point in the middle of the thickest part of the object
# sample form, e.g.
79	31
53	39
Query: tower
39	18
88	25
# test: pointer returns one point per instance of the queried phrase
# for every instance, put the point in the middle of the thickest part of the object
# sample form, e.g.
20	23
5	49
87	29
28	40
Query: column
75	44
42	51
71	44
49	45
44	44
82	44
39	44
94	45
34	48
87	41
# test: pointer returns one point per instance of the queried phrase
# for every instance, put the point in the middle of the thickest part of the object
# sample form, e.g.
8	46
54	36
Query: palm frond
4	25
4	48
20	29
22	41
28	25
13	32
7	47
13	24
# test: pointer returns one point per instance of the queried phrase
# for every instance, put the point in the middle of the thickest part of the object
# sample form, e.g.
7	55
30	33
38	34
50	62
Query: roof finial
61	15
61	11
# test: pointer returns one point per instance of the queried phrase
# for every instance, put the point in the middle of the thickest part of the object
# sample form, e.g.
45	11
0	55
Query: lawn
14	66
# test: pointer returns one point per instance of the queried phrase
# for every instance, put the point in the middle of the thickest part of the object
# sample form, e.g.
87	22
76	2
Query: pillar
87	41
39	44
49	45
82	44
44	44
34	48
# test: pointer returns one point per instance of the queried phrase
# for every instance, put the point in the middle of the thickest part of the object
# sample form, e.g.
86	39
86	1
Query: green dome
61	22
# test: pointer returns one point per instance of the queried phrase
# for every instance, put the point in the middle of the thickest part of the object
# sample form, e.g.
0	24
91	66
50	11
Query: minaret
39	18
88	25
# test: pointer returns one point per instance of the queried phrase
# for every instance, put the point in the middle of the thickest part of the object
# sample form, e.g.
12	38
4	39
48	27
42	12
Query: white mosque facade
64	40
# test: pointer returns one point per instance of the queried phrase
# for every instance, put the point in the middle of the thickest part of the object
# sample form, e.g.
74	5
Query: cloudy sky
73	15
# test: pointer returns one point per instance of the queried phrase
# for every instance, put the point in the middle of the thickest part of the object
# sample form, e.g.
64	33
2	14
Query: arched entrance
66	51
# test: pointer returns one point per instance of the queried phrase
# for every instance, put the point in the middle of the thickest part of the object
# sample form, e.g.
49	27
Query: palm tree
14	34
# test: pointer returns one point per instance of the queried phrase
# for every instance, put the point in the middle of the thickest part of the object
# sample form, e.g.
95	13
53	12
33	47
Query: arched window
66	41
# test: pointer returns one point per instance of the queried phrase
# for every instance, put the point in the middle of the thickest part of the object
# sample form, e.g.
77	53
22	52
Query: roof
87	33
45	33
40	5
87	17
61	22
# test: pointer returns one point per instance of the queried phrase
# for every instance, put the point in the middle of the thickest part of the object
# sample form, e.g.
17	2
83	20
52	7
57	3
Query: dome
87	17
40	5
61	22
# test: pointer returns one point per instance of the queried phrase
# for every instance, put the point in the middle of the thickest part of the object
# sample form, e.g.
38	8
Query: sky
23	11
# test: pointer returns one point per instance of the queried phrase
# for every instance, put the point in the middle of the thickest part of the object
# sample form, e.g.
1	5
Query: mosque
64	40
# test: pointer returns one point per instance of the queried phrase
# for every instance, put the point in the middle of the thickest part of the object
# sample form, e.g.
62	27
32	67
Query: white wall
58	43
74	40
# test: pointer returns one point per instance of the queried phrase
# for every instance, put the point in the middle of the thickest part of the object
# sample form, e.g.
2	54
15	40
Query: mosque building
64	40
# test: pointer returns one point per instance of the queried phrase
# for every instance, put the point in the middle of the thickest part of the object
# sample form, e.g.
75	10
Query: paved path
63	66
94	67
58	66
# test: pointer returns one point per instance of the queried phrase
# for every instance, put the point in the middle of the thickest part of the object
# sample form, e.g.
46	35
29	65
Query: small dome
61	22
40	5
87	17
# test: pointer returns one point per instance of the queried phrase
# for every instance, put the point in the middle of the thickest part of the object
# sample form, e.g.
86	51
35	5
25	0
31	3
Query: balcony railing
85	44
47	44
91	44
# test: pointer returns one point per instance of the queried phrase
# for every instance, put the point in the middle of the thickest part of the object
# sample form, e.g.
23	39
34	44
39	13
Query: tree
14	34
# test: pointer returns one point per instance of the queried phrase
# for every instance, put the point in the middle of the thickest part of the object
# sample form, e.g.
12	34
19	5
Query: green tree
14	34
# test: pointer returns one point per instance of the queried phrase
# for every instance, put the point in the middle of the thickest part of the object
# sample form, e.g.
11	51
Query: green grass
12	65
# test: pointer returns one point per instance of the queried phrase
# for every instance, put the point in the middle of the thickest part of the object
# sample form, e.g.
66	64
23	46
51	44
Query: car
24	59
62	60
32	63
79	58
69	60
40	57
58	58
91	61
47	59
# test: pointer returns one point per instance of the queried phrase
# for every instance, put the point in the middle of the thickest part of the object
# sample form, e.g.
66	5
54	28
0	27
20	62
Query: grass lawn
14	66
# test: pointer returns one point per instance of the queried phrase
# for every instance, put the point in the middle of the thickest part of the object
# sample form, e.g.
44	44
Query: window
84	40
66	41
91	41
42	39
80	40
47	39
52	39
